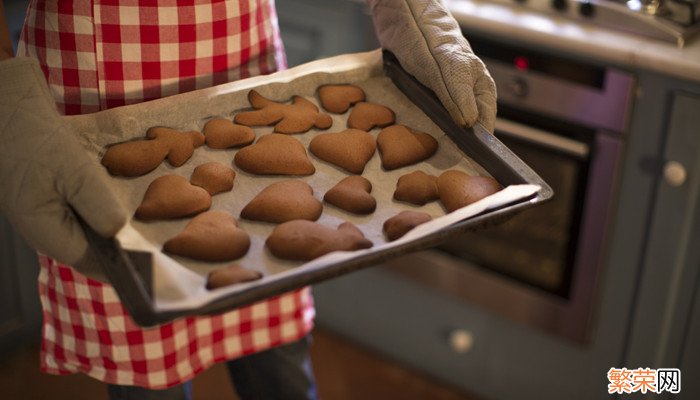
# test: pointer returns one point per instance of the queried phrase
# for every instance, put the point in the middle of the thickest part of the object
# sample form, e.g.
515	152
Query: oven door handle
542	138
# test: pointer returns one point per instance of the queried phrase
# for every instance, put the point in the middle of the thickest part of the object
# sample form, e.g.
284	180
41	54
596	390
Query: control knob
586	8
518	87
560	5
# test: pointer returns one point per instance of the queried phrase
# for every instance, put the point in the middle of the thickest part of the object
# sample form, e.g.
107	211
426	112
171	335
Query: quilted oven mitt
428	43
45	173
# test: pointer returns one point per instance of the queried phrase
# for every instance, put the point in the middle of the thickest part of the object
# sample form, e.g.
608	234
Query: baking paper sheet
179	283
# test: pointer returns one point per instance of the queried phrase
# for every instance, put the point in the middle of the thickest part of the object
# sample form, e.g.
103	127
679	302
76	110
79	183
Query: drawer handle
461	341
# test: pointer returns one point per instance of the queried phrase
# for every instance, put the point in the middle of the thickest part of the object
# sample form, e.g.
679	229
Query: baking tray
131	272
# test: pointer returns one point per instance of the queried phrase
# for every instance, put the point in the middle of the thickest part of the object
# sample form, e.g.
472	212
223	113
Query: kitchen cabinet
313	29
20	314
666	317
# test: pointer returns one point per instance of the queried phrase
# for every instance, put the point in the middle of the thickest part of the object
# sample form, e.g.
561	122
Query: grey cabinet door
20	312
314	29
667	318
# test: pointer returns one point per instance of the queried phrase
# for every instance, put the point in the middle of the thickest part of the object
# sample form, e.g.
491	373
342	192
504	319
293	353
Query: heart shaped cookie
366	116
298	117
416	188
134	158
212	236
284	201
172	196
352	194
220	133
398	225
305	240
350	149
400	146
275	154
231	275
338	98
214	177
458	189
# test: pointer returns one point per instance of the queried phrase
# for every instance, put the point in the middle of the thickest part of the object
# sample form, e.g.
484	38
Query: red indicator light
521	63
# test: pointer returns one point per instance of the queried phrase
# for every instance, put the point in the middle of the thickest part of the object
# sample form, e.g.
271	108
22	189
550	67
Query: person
78	57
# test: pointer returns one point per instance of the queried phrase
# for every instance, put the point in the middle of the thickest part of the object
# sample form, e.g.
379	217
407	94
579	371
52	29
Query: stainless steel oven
567	120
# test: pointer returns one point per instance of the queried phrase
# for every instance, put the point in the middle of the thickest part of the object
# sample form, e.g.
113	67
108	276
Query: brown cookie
366	116
350	149
172	196
139	157
416	188
352	194
398	225
305	240
231	275
214	177
134	158
298	117
221	133
212	236
180	145
338	98
284	201
400	146
458	189
275	154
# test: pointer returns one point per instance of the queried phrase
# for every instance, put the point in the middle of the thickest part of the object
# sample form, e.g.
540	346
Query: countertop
586	39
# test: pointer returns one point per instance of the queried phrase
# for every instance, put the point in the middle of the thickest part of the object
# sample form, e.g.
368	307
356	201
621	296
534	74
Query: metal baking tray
131	273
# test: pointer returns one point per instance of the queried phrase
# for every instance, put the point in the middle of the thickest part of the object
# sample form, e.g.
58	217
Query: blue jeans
282	372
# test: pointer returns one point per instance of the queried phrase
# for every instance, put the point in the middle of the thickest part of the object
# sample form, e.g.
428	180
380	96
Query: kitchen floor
343	371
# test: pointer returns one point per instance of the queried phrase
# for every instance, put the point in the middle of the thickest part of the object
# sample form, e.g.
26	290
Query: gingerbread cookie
366	116
350	149
298	117
214	177
231	275
416	188
221	133
338	98
139	157
172	196
400	146
284	201
458	189
275	154
212	236
398	225
134	158
180	145
305	240
352	194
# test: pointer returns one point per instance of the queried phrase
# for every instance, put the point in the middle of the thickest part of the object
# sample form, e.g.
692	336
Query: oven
567	120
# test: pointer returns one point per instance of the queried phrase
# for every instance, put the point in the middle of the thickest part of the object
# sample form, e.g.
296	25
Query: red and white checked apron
105	53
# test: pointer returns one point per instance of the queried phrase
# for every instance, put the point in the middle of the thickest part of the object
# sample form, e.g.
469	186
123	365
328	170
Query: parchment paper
179	283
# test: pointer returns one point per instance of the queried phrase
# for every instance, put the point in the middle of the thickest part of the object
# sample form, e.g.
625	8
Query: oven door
539	267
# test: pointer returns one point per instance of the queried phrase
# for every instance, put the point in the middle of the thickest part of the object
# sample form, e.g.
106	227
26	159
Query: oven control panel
569	90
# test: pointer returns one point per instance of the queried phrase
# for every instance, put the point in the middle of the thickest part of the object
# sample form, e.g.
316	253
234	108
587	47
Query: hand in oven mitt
45	173
428	43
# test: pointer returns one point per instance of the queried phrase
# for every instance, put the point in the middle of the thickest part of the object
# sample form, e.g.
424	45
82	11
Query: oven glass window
536	246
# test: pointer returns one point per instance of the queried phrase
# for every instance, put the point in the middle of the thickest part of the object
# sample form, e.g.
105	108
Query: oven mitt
429	45
45	173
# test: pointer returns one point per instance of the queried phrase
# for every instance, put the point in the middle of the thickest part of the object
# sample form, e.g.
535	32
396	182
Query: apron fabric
107	53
